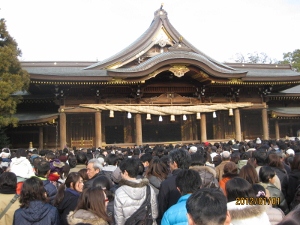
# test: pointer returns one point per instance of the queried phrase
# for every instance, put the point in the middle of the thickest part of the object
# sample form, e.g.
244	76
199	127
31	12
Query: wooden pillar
41	138
265	124
98	129
62	129
203	127
237	121
138	129
277	134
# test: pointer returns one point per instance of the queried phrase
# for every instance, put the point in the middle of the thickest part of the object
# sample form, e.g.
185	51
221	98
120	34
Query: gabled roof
161	32
140	60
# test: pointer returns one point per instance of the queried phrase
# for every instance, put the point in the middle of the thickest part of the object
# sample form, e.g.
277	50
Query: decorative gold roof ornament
179	70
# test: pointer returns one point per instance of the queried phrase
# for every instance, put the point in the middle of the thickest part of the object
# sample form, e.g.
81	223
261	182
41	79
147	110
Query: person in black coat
168	194
67	196
34	208
294	179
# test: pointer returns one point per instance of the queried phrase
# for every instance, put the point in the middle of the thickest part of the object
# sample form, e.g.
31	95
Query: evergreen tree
4	140
12	77
292	58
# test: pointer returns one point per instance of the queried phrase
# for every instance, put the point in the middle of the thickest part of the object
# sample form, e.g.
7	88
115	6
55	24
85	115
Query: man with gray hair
94	169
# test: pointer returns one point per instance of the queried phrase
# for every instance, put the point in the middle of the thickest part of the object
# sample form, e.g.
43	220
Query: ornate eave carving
179	70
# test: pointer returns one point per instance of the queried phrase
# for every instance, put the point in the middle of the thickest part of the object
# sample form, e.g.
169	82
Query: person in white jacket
21	166
132	192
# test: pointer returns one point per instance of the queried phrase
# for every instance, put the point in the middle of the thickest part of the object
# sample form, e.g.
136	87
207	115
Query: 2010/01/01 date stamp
258	201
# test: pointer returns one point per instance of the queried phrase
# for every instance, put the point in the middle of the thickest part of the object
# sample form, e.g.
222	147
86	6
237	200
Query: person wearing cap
94	169
225	156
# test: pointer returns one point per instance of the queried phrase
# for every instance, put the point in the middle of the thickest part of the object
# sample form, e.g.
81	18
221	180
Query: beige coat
8	218
84	216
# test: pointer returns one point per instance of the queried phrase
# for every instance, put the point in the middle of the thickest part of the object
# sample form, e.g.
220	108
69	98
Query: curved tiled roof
65	71
25	118
285	111
178	55
146	39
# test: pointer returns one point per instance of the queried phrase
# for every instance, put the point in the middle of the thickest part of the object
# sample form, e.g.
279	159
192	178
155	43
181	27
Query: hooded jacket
50	189
275	192
275	214
247	214
208	176
84	216
21	167
38	213
68	204
155	183
130	196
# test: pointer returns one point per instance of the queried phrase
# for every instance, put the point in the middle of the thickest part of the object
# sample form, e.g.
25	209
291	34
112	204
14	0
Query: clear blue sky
89	30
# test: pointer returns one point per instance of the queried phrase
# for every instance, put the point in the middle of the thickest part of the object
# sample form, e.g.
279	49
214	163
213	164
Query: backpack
296	199
143	215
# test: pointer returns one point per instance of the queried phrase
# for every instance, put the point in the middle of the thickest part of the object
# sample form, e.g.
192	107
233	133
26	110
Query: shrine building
159	89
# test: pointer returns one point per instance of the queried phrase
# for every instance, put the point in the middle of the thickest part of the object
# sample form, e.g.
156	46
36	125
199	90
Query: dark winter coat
293	182
50	189
89	183
68	204
168	194
38	213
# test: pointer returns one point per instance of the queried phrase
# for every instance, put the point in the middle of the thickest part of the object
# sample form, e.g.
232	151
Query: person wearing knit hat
258	141
290	152
206	144
192	149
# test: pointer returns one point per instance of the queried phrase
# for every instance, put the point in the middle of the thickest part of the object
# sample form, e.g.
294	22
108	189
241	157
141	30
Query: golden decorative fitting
204	75
179	70
235	80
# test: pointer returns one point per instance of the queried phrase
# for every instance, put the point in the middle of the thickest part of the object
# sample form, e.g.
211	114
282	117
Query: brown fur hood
134	190
135	184
204	168
240	212
84	216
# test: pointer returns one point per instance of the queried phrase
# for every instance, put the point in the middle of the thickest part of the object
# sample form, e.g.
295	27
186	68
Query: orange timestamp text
258	201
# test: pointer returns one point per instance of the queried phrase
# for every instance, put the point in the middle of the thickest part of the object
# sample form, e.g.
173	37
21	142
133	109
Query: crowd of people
254	181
